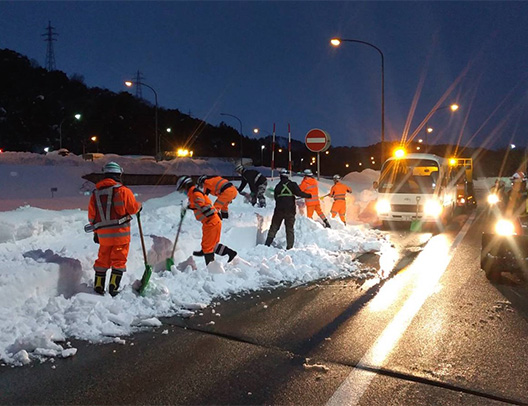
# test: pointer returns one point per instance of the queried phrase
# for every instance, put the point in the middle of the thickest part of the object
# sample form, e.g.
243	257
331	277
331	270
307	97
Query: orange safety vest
109	211
216	185
339	191
202	207
309	185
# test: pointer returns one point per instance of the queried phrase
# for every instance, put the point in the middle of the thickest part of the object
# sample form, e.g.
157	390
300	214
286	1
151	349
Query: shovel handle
142	239
177	233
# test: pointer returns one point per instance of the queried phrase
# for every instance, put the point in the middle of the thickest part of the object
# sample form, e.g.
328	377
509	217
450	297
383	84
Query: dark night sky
271	62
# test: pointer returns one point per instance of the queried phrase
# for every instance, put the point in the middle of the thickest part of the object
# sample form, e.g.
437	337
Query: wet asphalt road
435	332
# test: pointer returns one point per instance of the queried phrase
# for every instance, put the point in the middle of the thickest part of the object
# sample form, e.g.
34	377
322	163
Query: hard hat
518	175
112	167
308	172
201	180
182	182
284	173
239	168
337	177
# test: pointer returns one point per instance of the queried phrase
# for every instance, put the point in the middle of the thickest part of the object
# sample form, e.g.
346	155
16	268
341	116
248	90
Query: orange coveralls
204	211
338	192
309	185
223	190
114	238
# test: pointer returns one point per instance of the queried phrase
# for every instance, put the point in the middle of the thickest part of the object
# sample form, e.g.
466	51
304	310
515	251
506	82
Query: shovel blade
145	279
169	263
416	225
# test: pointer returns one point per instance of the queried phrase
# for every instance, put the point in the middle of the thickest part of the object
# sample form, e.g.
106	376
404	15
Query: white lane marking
357	382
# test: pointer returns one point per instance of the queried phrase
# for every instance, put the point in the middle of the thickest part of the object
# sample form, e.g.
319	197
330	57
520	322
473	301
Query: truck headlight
432	208
504	227
493	199
383	207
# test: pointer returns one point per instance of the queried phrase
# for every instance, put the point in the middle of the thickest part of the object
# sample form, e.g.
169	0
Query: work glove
96	238
219	215
183	210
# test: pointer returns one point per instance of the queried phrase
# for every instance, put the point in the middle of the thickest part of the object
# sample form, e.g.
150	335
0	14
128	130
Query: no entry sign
317	140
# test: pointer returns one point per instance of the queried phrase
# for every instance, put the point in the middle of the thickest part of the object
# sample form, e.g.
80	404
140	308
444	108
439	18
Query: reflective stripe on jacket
110	209
216	185
309	185
201	205
339	191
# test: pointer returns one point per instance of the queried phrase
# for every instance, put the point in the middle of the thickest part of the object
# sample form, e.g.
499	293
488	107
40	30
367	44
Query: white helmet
336	177
112	167
182	181
284	173
239	168
201	180
308	172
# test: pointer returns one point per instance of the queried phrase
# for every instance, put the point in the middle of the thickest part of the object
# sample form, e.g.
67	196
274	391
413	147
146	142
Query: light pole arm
382	91
240	122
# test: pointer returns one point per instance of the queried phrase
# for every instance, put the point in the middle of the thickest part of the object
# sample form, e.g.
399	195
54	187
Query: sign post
317	140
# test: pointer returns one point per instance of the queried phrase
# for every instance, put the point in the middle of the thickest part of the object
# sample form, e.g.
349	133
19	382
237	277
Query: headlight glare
433	208
493	199
504	227
383	207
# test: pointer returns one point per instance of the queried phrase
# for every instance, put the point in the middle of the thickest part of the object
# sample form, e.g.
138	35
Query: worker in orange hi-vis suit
338	192
204	212
222	189
109	213
309	185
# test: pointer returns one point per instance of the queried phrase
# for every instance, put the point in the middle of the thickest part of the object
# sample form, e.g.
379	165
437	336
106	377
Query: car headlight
504	227
383	207
493	199
432	208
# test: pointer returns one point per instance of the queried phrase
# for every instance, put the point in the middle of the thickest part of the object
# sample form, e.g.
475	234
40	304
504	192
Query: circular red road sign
317	140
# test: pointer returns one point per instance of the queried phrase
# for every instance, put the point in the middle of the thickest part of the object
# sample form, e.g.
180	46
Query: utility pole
49	37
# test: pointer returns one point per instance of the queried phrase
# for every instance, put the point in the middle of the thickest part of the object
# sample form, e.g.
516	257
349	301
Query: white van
416	187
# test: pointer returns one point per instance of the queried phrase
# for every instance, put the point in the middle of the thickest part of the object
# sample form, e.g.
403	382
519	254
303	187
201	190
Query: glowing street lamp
130	83
336	42
76	116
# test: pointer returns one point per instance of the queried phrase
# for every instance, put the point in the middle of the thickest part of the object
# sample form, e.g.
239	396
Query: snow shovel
170	261
416	225
148	268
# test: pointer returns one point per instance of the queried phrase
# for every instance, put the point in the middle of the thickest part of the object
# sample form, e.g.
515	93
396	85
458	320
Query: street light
336	42
130	83
240	121
262	147
76	116
453	107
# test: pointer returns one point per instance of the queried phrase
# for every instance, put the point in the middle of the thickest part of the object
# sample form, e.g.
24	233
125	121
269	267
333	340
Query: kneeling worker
285	208
109	212
204	211
224	191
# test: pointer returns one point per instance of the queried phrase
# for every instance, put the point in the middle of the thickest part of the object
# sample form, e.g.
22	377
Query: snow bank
46	260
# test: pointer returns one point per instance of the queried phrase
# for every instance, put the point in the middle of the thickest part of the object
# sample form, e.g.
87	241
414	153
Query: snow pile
46	273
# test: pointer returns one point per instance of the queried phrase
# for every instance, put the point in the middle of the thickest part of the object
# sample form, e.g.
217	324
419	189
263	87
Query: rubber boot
223	250
209	258
268	242
115	280
99	283
326	223
198	253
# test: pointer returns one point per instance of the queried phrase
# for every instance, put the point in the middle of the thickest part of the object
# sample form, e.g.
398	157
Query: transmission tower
49	37
139	81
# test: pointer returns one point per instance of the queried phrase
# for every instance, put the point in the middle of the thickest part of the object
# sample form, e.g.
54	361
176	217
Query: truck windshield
414	176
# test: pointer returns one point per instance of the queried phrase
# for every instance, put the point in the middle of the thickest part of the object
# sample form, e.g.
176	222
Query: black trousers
276	221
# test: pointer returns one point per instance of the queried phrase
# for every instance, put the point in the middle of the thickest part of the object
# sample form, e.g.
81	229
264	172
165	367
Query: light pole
453	107
240	121
76	116
130	83
336	42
